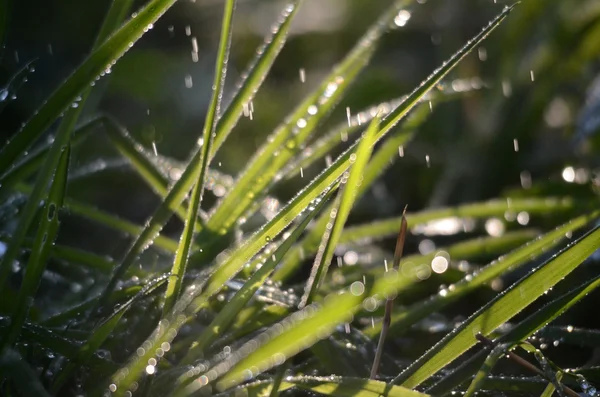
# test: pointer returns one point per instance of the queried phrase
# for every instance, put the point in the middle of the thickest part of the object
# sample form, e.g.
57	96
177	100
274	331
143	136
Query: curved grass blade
100	333
24	378
403	321
102	58
522	331
499	310
46	234
339	214
288	137
485	370
185	242
60	101
254	76
228	313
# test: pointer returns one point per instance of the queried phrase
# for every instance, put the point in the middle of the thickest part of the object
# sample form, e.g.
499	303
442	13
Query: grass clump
212	294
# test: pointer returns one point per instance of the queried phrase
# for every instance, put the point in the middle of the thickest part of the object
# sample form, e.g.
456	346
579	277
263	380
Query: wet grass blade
24	378
285	142
403	321
228	313
339	214
499	310
522	331
185	243
44	240
485	370
100	334
102	58
255	74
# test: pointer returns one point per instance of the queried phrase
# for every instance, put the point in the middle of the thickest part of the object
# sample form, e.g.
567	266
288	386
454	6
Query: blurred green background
528	128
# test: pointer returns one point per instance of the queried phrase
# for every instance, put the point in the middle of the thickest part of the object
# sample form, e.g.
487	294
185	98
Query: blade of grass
339	213
288	137
484	371
185	242
499	310
522	331
255	74
228	313
102	58
403	321
44	240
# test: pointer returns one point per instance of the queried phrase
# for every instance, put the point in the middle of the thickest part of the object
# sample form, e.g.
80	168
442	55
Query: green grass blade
284	143
23	377
100	334
403	321
485	370
227	314
185	243
339	214
499	310
46	234
522	331
95	64
256	73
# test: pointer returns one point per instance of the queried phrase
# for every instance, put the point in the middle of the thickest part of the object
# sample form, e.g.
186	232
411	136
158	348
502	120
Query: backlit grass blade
404	320
24	378
339	214
328	386
228	313
522	331
499	310
287	139
101	59
485	370
185	243
61	100
44	240
255	74
100	333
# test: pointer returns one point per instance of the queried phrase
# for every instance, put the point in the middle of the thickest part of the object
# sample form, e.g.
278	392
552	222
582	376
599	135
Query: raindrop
302	74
